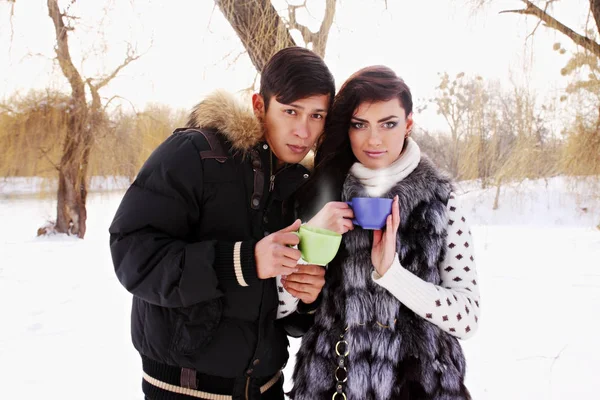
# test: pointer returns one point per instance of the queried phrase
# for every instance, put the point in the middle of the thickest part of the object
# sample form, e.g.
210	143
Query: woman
397	299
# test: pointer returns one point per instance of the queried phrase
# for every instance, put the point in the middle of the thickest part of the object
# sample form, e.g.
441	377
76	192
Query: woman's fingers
396	214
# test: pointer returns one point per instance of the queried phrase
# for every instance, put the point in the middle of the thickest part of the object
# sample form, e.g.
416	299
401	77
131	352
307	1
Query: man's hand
273	255
335	216
306	284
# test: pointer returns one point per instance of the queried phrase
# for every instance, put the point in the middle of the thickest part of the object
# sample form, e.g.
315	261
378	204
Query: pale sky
194	49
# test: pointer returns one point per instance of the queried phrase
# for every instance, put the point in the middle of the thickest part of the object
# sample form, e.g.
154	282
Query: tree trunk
72	186
71	212
497	197
258	26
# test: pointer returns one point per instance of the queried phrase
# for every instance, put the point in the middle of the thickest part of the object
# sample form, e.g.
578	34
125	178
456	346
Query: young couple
209	222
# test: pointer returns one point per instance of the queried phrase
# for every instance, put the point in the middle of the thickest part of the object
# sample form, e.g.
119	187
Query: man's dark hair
295	73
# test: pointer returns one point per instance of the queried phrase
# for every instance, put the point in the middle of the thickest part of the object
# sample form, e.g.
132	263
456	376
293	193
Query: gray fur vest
412	359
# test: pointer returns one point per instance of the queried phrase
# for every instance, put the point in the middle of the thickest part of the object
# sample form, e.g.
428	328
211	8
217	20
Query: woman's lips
375	154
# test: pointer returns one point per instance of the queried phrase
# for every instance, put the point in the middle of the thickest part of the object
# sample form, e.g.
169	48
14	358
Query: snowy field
65	318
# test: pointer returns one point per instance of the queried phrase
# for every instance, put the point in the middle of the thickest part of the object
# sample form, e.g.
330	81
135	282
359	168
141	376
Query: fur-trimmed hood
222	111
235	120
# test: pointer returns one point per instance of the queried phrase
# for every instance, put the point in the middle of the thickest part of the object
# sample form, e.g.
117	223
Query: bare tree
543	15
582	150
453	101
83	120
263	31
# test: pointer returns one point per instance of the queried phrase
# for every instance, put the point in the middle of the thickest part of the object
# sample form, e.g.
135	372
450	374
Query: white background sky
194	49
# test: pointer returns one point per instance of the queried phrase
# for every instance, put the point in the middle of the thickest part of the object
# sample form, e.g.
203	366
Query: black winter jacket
182	242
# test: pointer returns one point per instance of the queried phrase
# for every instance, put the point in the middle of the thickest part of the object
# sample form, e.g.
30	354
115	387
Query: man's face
292	129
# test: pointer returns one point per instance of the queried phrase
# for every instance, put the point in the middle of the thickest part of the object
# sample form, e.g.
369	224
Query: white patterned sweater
453	305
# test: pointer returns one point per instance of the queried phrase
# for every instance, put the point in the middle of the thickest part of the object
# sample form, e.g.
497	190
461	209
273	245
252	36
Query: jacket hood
234	120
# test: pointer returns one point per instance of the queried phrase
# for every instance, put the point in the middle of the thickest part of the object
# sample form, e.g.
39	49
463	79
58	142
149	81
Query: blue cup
370	212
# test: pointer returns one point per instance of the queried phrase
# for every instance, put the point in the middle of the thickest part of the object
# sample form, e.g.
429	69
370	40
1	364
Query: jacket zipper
272	179
273	176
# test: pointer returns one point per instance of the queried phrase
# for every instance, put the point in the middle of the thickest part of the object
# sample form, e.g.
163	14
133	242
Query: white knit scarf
379	181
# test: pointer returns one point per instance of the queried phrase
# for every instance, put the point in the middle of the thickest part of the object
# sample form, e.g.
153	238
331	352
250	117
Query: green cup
318	246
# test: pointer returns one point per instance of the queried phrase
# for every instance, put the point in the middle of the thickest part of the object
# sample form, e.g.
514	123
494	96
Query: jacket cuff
235	263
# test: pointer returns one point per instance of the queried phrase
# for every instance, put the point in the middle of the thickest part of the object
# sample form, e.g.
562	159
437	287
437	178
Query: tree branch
131	57
307	35
595	9
551	22
320	43
135	111
318	39
45	155
96	101
12	25
62	52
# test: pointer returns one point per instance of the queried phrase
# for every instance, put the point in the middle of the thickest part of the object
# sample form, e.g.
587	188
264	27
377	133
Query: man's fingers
284	270
287	263
293	227
306	297
286	239
311	269
309	280
301	288
288	252
295	293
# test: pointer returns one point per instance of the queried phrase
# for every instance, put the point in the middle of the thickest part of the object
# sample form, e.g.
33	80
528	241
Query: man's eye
317	116
290	112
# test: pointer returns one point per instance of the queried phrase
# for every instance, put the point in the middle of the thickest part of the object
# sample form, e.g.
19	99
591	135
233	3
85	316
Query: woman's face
377	132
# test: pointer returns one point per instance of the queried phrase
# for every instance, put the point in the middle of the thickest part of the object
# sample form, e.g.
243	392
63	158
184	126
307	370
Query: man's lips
297	149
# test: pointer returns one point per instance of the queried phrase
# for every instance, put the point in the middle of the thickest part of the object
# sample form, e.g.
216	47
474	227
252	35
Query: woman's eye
357	125
390	125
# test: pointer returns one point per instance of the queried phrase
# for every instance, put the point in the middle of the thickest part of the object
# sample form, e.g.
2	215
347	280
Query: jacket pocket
195	326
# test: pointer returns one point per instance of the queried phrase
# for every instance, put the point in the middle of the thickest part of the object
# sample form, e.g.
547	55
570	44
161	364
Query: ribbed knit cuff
412	291
235	263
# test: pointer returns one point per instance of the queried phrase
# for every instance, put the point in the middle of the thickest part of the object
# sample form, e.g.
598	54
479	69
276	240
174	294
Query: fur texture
235	120
411	360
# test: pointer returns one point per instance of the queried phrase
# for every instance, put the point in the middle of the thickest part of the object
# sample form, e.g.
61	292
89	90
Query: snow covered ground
64	330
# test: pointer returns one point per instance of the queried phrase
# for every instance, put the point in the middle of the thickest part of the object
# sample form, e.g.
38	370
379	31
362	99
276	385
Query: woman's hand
335	216
384	243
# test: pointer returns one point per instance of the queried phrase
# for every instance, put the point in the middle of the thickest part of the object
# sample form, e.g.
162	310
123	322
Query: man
207	225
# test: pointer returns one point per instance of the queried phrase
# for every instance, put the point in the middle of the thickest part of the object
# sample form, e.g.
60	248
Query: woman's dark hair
333	154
